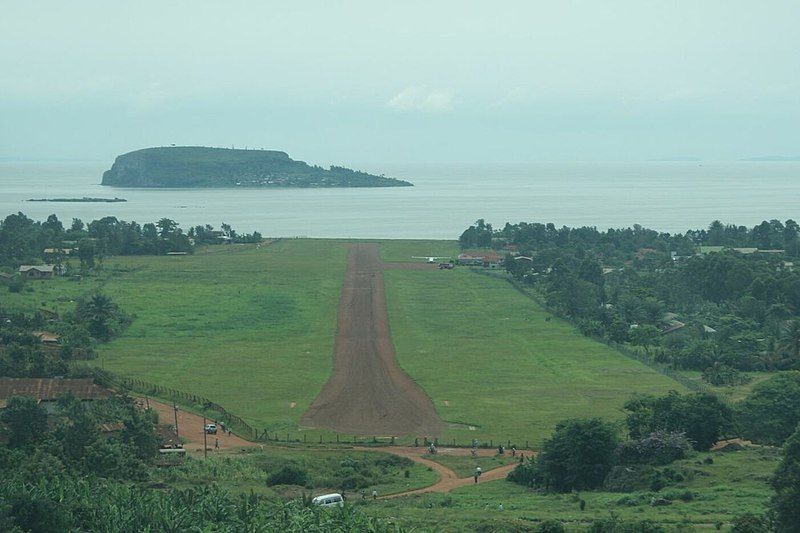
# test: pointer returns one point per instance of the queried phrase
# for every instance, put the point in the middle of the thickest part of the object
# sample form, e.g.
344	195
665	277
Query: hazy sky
371	82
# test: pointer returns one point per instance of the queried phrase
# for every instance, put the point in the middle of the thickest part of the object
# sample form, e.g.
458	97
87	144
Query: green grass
253	330
734	484
328	470
464	466
733	393
492	365
250	328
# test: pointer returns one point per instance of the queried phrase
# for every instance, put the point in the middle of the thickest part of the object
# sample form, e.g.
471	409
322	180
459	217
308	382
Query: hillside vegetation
196	166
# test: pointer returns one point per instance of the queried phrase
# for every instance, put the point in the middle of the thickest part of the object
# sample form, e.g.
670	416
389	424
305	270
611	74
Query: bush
702	417
772	410
615	525
786	501
578	456
627	478
288	474
749	523
525	474
719	375
550	526
658	448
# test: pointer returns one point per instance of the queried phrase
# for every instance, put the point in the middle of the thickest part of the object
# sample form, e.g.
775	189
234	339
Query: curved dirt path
448	479
368	393
190	428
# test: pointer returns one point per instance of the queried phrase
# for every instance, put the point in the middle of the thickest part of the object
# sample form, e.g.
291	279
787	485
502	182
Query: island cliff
195	166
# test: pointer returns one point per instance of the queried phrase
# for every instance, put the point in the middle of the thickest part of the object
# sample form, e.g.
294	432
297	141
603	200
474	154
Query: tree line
720	311
23	240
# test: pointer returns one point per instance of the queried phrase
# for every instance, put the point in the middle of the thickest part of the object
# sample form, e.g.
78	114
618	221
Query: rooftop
51	389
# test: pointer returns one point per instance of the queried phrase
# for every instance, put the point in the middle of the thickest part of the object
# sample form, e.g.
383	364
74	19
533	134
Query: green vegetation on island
85	199
196	166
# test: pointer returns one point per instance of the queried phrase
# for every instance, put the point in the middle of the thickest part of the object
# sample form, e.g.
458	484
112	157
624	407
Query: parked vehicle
211	429
329	500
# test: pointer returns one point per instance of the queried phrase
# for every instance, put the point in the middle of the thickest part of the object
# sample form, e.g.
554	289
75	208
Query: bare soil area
368	393
190	429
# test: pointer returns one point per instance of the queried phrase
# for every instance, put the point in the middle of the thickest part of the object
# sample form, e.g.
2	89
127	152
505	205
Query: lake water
668	196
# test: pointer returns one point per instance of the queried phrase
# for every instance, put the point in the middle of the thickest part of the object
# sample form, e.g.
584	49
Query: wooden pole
205	436
175	408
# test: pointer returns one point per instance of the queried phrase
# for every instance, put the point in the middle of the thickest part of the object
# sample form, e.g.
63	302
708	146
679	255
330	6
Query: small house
47	337
50	253
37	271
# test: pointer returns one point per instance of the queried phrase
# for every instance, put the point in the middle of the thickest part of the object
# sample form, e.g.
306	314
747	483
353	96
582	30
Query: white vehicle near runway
329	500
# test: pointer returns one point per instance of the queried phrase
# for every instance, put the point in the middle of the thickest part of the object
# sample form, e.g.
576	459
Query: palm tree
790	339
98	311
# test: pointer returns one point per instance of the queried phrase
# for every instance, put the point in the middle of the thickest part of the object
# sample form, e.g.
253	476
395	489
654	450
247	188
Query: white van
329	500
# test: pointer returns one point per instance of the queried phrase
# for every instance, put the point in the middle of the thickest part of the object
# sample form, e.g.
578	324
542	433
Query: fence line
111	380
106	378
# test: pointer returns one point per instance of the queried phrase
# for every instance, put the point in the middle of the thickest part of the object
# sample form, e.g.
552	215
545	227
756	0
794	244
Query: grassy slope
250	328
735	484
488	359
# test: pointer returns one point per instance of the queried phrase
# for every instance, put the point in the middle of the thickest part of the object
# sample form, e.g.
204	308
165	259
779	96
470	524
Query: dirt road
190	428
448	479
368	393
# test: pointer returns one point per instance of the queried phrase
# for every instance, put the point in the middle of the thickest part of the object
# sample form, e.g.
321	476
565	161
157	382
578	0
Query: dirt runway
368	393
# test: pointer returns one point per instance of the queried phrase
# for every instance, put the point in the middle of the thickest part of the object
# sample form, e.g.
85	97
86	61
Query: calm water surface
669	196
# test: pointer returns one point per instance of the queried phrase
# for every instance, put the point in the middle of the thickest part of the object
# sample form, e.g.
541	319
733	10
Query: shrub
525	474
550	526
288	474
578	456
749	523
658	448
720	374
615	525
702	417
786	501
772	410
627	478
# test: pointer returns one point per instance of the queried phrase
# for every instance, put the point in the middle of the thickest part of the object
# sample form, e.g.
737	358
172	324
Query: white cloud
514	97
420	98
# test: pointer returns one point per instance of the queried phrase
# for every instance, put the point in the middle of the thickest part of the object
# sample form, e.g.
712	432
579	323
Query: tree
86	253
702	417
166	227
790	339
771	411
786	501
578	455
645	335
101	316
26	421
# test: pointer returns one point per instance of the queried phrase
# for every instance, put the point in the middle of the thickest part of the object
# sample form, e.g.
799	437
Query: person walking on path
374	494
477	473
216	443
